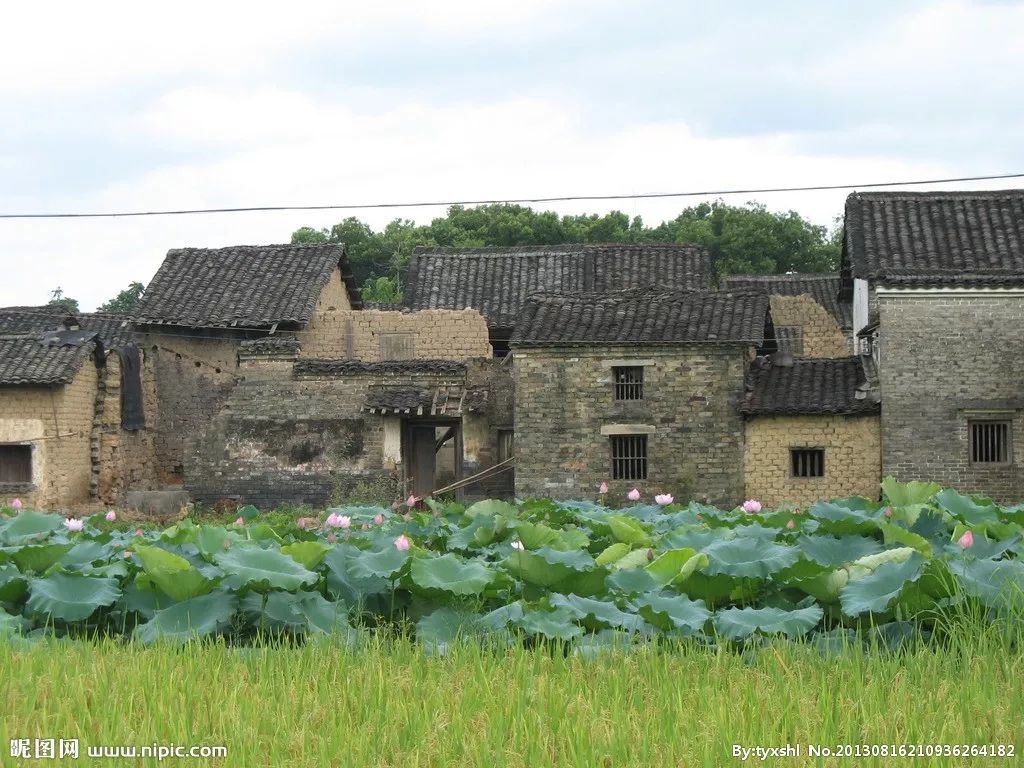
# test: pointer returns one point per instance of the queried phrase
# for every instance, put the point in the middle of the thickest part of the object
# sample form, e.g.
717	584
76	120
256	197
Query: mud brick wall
944	361
57	423
564	396
852	458
822	336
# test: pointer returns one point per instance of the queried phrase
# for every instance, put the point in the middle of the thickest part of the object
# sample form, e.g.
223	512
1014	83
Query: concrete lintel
628	429
625	363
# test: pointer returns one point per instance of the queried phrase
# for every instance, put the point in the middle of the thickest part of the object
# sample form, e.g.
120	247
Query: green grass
392	705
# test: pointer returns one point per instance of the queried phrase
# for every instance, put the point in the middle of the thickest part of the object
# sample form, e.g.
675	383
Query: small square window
629	382
990	442
15	463
629	457
807	462
397	346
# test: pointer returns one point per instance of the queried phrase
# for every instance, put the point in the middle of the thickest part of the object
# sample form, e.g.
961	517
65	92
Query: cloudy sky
116	106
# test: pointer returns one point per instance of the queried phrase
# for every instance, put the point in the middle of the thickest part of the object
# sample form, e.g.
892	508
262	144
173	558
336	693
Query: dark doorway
431	454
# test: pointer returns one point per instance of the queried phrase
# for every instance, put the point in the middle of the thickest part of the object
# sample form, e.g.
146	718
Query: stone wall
946	360
564	397
852	458
57	422
822	335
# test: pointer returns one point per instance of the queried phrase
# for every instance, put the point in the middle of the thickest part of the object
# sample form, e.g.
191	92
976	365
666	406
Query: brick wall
822	336
852	458
938	353
57	422
564	396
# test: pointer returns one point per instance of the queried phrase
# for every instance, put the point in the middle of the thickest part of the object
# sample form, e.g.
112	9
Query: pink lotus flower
518	545
239	521
111	516
74	524
378	518
16	504
402	543
411	501
633	495
664	499
887	511
603	488
791	524
967	540
139	532
332	537
334	520
750	506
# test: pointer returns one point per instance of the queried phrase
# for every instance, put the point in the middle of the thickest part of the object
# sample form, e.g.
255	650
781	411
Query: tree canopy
125	301
61	302
747	238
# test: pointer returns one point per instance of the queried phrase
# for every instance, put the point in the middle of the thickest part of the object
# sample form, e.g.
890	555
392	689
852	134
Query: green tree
125	301
64	303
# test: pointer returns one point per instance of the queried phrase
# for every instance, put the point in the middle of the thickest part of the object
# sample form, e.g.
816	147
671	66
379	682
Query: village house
936	281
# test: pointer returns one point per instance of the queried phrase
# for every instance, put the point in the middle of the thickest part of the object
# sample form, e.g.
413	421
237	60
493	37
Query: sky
127	106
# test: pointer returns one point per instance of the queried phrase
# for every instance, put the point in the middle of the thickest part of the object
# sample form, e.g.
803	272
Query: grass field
323	705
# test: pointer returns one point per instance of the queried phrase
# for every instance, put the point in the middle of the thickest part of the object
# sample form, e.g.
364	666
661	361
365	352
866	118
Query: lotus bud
111	516
603	488
402	543
633	495
16	505
967	540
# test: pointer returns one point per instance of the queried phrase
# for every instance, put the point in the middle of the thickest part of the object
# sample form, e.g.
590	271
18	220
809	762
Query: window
397	346
629	457
807	462
500	339
15	464
506	444
629	382
990	442
790	339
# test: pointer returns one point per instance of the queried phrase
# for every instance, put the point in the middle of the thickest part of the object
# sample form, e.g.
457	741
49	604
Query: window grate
629	382
629	457
807	462
990	442
15	464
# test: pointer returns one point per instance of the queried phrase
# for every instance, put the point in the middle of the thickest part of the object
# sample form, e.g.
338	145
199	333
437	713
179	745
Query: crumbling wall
821	334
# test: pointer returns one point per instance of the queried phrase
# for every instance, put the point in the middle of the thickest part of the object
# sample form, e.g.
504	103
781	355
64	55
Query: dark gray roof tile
26	360
810	386
822	287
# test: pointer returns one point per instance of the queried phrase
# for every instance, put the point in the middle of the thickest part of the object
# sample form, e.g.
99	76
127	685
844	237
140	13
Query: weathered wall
939	353
439	334
127	460
194	377
326	335
852	458
57	422
564	396
822	335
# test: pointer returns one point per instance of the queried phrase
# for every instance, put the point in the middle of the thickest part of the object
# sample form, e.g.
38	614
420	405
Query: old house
810	318
811	431
936	281
72	414
639	387
496	281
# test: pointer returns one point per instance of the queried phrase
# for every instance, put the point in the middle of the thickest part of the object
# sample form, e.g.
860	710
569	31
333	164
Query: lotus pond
577	573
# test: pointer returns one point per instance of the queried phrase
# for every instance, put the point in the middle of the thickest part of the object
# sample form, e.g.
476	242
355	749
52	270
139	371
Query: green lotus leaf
70	597
676	565
211	539
263	569
197	617
613	553
673	612
175	576
445	626
629	531
967	509
279	611
343	584
832	551
86	553
749	557
306	553
326	618
183	532
719	588
599	610
248	512
558	624
10	625
836	518
13	584
535	535
636	558
36	558
997	583
631	581
384	562
479	533
739	623
261	532
450	573
501	617
905	494
877	590
534	569
578	560
493	508
896	534
24	525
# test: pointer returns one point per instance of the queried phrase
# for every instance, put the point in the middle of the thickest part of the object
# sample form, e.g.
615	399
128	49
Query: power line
566	198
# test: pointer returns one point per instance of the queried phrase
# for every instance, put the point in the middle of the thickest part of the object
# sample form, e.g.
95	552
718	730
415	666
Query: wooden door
423	458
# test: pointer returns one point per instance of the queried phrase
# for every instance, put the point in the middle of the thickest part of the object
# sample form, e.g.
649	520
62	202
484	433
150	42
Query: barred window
629	382
990	442
15	464
807	462
629	457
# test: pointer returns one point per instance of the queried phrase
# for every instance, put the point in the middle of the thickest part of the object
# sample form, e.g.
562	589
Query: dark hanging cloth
132	414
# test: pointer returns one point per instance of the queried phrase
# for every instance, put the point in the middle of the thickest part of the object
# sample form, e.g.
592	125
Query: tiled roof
244	285
823	287
642	316
114	330
312	367
270	345
27	360
807	387
923	239
496	281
